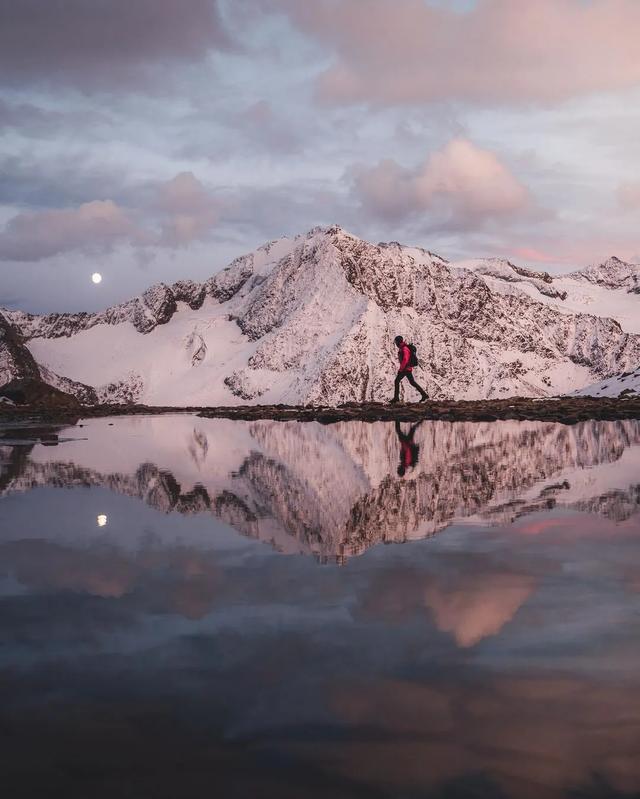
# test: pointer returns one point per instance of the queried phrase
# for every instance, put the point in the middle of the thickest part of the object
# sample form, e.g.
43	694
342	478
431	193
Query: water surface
196	607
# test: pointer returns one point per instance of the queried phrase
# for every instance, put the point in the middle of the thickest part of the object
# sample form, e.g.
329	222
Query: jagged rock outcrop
156	306
16	362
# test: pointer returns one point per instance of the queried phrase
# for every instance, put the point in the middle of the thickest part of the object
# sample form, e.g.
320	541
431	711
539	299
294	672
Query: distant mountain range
312	319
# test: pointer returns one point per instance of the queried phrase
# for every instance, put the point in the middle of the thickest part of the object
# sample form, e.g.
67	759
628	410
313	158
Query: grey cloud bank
104	43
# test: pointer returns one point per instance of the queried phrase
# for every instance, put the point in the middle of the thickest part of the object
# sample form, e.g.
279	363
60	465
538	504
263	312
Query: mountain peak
614	273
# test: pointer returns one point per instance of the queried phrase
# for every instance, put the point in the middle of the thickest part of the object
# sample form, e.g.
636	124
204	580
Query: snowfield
312	319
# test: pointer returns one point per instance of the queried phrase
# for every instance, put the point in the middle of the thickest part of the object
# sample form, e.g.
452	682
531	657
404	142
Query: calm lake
197	607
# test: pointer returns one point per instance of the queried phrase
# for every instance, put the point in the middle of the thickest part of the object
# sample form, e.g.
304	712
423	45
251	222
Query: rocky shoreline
566	410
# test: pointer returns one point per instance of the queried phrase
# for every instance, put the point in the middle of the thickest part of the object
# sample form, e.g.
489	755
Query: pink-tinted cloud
481	607
180	211
471	183
566	248
96	225
189	210
103	43
534	733
629	195
392	52
534	254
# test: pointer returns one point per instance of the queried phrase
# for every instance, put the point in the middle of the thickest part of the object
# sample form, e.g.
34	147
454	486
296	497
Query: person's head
401	470
398	341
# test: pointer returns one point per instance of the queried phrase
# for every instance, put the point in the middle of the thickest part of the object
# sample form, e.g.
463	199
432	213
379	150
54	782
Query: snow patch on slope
626	384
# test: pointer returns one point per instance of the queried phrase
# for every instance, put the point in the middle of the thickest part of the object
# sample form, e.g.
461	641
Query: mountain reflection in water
164	648
335	491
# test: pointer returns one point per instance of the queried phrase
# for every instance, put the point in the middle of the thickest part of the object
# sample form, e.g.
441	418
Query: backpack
413	359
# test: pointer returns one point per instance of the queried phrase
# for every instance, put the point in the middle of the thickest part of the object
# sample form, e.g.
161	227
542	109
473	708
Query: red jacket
404	356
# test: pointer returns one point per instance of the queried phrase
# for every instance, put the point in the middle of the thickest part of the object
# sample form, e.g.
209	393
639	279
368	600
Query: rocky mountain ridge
613	273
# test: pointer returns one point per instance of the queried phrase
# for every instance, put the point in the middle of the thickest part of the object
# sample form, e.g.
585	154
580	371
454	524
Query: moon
102	520
96	277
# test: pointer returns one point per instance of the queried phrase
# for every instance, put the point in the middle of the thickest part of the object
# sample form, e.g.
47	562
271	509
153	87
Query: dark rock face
35	393
228	283
160	300
16	362
190	292
521	270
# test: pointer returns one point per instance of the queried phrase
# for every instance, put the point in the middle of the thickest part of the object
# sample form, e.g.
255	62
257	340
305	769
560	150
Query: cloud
182	581
535	254
103	43
479	609
96	225
467	605
38	179
178	212
190	211
487	735
629	195
468	183
260	125
499	51
31	120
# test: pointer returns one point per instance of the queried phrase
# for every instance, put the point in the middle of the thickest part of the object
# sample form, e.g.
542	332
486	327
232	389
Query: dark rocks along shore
567	410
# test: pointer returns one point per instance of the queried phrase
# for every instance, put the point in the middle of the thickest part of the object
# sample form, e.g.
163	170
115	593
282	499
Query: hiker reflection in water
409	450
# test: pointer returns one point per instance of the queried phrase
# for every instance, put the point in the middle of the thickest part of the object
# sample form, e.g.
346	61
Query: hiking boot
393	401
424	398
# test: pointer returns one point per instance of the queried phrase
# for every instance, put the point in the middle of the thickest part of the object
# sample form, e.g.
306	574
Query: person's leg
412	380
396	391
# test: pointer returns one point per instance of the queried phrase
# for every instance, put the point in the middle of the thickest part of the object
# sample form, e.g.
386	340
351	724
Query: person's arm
406	357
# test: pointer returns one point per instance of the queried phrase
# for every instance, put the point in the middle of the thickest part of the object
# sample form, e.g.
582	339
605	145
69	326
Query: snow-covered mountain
334	491
312	320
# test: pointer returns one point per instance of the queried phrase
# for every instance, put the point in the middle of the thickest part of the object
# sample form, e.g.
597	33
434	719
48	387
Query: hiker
406	369
408	448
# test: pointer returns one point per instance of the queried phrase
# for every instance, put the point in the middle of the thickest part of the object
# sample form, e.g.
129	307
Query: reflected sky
236	624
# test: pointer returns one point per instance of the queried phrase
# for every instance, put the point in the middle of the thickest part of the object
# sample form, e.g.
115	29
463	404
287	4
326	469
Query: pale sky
156	140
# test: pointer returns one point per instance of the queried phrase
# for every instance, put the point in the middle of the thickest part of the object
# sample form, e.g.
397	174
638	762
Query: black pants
399	378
